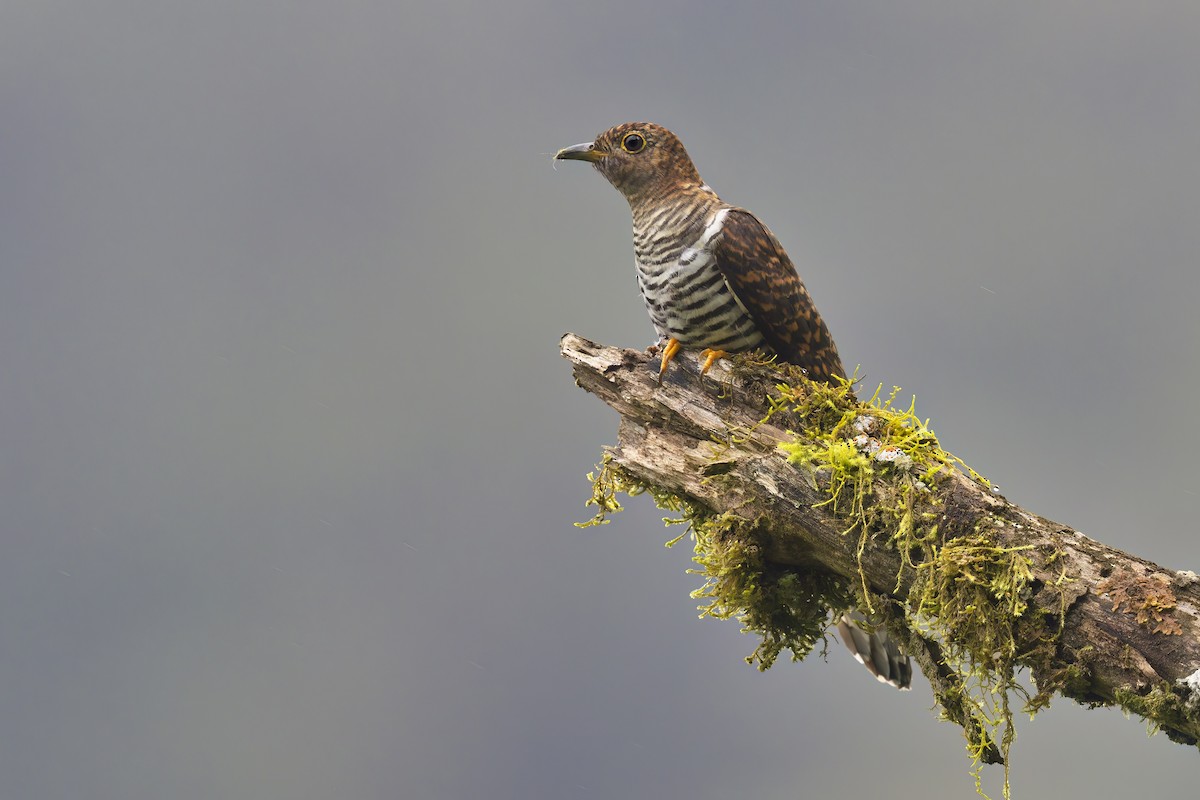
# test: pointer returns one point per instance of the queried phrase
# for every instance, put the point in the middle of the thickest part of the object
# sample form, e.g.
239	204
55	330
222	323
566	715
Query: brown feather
765	282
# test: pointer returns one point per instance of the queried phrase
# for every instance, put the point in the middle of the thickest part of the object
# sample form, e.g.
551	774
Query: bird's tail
875	650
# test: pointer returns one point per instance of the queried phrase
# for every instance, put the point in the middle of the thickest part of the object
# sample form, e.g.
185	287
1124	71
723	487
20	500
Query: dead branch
1125	631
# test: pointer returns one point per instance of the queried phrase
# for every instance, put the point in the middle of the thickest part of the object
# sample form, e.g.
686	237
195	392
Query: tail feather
876	651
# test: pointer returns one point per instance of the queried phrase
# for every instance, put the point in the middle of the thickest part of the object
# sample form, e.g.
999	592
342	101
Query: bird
715	279
712	276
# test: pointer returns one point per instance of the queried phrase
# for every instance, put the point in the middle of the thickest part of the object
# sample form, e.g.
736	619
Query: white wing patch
703	245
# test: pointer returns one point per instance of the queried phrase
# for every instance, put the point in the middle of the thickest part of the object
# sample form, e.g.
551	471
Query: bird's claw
710	357
669	351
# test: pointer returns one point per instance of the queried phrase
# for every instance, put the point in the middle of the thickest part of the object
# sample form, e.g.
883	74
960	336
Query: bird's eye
633	143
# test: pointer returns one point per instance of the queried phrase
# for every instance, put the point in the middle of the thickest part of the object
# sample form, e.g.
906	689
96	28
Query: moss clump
881	466
1162	707
609	480
968	586
972	595
788	609
879	463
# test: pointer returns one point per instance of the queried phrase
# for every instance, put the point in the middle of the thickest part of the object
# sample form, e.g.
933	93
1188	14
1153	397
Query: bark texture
1125	631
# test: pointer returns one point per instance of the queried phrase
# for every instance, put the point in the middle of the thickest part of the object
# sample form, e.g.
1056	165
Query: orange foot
669	351
710	357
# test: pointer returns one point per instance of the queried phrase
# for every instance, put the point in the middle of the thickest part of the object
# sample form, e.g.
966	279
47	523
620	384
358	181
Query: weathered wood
1116	644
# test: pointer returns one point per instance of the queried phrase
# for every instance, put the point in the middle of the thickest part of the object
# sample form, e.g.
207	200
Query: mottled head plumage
641	159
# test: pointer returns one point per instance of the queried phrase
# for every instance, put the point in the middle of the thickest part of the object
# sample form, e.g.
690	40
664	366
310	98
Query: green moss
973	591
788	609
608	480
971	595
880	467
878	464
1162	707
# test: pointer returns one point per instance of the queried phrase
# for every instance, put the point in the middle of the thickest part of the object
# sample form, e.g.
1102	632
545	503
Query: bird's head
640	159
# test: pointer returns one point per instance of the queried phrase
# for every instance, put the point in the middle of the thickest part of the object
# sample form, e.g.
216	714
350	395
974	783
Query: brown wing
764	281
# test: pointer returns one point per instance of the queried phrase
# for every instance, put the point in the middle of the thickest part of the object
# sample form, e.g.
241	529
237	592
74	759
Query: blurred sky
289	460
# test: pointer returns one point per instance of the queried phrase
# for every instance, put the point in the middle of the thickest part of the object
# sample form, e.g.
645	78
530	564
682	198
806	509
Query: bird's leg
669	351
710	357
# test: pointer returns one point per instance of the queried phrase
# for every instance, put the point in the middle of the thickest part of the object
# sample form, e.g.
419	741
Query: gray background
290	461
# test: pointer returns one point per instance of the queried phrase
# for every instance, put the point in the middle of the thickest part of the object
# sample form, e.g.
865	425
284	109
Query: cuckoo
715	279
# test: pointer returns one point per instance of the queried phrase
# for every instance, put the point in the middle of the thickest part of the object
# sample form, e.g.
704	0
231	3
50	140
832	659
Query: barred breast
687	296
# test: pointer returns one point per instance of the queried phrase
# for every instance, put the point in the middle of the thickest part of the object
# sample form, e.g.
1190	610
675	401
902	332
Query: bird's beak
580	152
